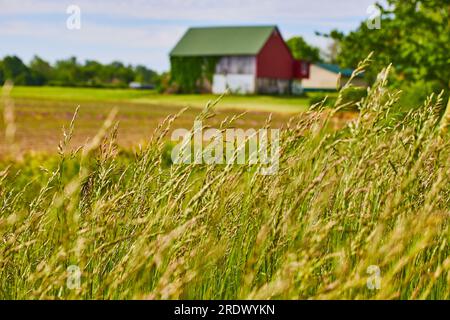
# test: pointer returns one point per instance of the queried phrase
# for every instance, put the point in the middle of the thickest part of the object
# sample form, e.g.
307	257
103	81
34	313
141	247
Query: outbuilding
325	77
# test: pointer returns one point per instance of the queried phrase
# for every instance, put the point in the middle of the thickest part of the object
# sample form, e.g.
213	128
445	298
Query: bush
319	97
415	94
352	96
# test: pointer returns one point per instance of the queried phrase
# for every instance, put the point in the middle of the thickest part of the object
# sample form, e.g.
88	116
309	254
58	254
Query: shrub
353	94
316	98
416	93
350	96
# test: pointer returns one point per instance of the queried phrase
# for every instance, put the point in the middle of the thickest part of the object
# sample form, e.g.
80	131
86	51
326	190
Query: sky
144	32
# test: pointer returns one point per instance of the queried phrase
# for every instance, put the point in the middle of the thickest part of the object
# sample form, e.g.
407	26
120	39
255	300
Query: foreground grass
375	194
80	95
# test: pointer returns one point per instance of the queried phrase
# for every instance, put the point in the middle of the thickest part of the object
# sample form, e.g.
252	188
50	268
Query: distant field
41	112
78	95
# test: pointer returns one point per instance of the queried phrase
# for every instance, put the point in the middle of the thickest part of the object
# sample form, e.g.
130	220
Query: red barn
248	59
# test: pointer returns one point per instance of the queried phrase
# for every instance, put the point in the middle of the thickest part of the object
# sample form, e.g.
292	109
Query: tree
144	75
68	72
116	74
333	49
41	70
91	73
302	50
414	37
2	79
14	69
125	74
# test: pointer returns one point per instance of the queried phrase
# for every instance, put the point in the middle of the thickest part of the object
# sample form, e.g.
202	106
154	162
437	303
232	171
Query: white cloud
199	10
154	36
145	31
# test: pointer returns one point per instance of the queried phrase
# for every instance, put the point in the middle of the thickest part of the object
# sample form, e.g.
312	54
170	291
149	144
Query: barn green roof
220	41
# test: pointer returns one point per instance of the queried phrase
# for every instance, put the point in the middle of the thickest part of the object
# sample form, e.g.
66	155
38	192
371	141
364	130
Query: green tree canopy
2	78
302	50
70	72
14	69
144	75
41	70
414	36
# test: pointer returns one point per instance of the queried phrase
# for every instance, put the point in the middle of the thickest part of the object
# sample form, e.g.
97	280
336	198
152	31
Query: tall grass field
358	212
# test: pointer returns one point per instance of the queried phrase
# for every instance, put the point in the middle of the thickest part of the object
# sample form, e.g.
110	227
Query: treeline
71	72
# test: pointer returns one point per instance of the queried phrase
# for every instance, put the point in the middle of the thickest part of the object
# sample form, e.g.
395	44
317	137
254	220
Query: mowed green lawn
41	112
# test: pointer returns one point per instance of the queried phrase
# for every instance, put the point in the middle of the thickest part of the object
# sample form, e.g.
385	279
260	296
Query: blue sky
143	32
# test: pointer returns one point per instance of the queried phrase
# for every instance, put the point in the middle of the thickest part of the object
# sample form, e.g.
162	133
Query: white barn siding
273	86
236	65
236	73
236	83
